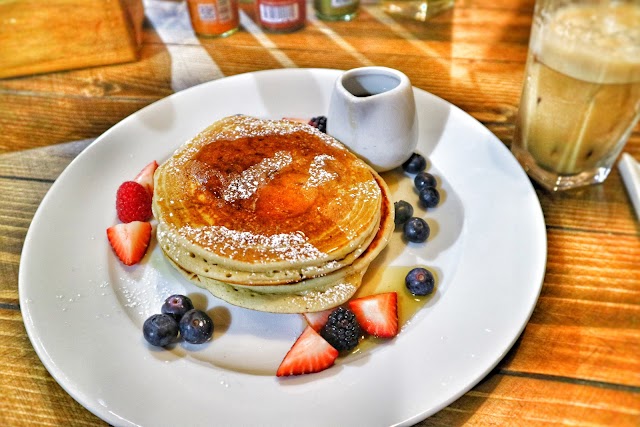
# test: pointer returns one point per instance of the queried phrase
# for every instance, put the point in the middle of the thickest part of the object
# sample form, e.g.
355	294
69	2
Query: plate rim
81	397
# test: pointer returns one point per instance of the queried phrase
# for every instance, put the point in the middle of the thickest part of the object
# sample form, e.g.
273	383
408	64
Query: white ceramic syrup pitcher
373	112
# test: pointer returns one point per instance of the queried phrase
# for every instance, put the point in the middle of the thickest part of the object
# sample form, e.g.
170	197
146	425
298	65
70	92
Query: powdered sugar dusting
285	246
245	185
332	296
318	175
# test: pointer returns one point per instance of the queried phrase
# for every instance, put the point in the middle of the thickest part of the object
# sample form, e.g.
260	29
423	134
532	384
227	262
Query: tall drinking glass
420	10
581	95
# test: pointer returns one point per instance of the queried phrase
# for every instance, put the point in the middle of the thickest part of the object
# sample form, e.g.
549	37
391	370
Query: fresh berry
420	281
416	230
145	177
310	353
317	319
403	211
130	241
319	122
176	306
416	163
160	330
342	330
429	197
133	202
423	180
196	326
377	314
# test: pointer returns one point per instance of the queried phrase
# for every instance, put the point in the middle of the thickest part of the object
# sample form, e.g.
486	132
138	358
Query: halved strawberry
310	353
130	240
145	177
377	314
317	319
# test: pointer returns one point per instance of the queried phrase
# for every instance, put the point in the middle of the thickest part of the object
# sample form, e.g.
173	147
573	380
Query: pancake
258	207
311	295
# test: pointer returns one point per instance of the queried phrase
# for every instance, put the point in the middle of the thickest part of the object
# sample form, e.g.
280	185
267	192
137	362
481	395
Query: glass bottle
281	15
419	10
214	17
336	10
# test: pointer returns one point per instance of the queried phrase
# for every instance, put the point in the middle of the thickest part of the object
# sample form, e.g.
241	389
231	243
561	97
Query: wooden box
39	36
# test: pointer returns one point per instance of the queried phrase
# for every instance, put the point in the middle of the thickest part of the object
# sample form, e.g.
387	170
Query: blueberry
403	211
420	281
416	163
196	326
160	330
429	197
416	230
176	306
424	180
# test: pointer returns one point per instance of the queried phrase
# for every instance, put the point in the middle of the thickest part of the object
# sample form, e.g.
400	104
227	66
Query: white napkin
630	172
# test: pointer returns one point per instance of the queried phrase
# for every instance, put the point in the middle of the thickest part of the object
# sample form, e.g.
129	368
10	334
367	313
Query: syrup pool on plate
390	279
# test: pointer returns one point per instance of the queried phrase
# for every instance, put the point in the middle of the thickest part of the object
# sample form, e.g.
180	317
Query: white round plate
83	310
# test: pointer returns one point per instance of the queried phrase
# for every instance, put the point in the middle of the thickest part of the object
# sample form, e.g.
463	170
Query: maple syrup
380	279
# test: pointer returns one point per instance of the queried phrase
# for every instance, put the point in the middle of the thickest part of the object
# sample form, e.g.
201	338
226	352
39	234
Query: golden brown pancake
269	207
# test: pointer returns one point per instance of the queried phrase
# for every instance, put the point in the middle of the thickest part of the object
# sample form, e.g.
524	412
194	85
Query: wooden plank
599	207
44	118
36	399
515	400
20	201
43	164
40	37
607	355
25	177
30	396
37	121
586	318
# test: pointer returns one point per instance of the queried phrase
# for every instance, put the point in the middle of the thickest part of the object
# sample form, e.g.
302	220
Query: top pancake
258	195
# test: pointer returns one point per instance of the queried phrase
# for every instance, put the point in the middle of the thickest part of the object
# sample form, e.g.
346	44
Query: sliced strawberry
310	353
145	177
317	319
130	241
133	202
377	314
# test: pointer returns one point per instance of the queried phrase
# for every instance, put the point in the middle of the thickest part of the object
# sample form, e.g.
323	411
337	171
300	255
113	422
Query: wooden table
577	361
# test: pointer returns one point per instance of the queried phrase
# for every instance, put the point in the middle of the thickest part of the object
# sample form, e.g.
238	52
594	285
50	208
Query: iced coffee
581	97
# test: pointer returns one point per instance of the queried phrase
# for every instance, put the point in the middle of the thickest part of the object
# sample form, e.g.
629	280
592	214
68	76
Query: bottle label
224	10
276	14
208	12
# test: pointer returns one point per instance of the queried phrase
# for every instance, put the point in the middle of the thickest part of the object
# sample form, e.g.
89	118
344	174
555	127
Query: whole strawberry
133	202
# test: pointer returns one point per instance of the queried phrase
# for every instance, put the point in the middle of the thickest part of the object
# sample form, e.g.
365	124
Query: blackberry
319	122
342	330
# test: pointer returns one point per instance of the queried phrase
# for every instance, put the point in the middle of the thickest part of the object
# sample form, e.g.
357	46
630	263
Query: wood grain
577	361
24	381
39	37
516	400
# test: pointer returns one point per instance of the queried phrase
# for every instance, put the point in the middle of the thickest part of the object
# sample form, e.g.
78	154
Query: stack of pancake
271	215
